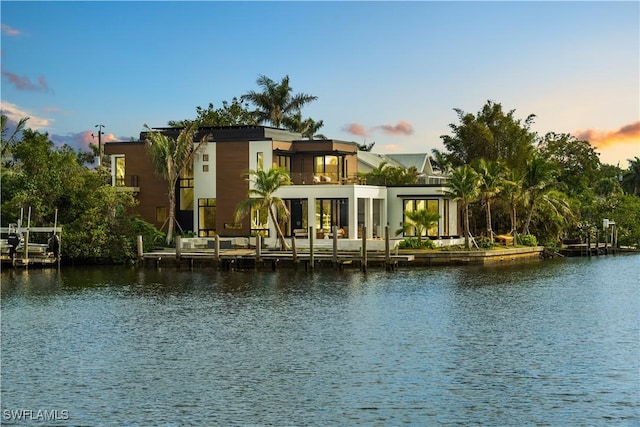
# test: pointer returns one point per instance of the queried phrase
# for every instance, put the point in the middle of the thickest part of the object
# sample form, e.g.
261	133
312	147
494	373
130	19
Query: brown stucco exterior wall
232	159
153	189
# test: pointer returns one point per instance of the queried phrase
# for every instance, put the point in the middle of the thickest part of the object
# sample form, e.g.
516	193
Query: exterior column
311	214
353	217
368	217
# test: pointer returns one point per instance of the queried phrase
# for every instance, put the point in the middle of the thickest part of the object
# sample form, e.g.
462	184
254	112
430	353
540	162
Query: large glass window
206	217
260	222
185	183
330	212
283	162
411	205
120	171
298	220
329	167
260	161
161	214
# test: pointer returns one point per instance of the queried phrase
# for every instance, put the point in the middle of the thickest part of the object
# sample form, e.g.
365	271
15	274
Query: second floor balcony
127	182
326	178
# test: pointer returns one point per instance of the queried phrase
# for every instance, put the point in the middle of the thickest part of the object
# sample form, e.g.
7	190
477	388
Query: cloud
8	31
391	147
401	128
82	140
15	114
25	83
355	129
604	138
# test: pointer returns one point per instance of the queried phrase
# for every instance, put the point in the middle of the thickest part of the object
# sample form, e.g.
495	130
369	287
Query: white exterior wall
264	147
204	183
396	208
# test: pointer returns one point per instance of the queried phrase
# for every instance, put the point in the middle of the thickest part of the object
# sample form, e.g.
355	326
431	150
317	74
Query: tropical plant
230	114
308	128
420	220
554	216
491	174
275	103
631	178
263	185
576	160
539	177
527	240
413	243
512	192
440	161
8	142
463	186
385	174
172	158
491	134
366	147
54	184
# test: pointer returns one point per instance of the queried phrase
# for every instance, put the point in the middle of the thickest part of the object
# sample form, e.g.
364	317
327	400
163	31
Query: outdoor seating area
504	239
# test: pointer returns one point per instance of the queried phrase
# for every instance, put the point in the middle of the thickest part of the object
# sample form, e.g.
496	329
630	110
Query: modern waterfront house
327	189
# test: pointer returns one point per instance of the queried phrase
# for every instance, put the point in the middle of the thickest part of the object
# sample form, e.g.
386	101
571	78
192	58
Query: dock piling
364	248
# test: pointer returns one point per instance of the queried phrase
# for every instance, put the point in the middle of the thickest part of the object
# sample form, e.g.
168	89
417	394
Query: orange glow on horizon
614	146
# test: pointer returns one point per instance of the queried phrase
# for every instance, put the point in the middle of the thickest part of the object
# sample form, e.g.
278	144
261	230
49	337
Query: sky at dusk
384	72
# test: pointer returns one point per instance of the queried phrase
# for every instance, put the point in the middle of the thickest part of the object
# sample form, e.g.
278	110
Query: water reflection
550	343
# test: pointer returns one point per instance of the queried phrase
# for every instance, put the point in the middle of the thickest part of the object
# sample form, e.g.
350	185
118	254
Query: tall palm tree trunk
513	217
525	229
489	226
283	242
172	216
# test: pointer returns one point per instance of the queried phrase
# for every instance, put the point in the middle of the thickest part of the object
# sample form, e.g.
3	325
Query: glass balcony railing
325	178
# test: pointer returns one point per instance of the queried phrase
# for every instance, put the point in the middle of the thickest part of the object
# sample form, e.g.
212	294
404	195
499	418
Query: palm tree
464	186
631	179
440	161
308	128
275	103
538	178
7	144
172	158
512	192
421	220
491	184
260	196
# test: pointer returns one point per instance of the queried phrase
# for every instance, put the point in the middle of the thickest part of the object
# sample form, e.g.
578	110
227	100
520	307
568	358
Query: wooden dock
241	259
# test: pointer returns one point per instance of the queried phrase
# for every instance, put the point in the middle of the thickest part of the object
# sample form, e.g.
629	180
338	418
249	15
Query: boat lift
17	250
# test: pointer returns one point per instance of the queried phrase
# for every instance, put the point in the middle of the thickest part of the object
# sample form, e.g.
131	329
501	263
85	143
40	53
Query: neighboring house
326	190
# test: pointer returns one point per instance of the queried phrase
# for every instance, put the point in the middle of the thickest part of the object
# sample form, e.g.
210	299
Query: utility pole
100	144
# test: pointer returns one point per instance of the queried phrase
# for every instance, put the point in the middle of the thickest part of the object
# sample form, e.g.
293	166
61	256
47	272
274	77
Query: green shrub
527	240
485	242
413	243
151	237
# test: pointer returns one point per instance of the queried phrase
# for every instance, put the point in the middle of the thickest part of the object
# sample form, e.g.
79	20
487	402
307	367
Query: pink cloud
8	31
604	138
24	83
401	128
83	140
355	129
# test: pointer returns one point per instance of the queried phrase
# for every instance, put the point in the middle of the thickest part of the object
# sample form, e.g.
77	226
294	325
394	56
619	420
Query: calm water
542	343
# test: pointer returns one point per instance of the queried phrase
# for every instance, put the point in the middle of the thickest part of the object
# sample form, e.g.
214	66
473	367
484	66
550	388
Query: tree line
509	179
